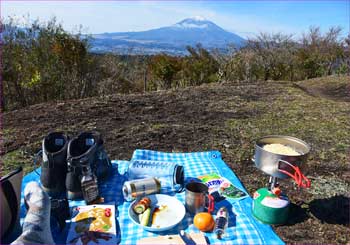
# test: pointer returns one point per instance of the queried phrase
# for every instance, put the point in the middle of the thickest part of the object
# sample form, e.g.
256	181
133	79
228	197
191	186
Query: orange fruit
204	221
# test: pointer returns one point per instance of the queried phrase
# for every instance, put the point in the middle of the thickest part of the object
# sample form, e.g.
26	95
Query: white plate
167	219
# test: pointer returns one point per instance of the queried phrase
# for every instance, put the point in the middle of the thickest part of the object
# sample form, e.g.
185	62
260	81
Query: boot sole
74	195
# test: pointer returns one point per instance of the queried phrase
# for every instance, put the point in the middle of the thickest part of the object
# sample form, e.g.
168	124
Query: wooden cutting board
198	238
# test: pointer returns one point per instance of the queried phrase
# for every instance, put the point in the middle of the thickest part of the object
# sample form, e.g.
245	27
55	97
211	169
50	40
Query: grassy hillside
224	117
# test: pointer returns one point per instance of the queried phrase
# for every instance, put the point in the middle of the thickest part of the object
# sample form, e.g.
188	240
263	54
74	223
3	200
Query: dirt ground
225	117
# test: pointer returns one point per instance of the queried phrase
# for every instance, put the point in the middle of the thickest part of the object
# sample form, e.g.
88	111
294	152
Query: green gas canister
269	207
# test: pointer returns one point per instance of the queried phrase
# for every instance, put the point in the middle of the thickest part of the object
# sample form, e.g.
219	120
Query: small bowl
173	214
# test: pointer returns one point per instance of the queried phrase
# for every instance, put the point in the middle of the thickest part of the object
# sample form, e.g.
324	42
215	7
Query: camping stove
270	205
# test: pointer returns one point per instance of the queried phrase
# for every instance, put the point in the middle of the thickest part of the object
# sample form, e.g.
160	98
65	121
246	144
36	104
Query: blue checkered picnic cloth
243	228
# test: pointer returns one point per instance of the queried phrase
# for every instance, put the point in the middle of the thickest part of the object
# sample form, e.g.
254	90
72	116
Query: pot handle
298	177
210	203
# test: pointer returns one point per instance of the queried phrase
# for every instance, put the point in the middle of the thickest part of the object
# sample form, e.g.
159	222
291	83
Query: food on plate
142	205
96	219
145	216
165	212
162	216
281	149
204	221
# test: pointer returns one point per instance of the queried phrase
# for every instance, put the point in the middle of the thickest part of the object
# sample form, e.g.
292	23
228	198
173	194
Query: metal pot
271	163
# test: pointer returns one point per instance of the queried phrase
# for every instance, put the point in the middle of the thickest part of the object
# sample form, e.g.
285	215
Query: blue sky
246	18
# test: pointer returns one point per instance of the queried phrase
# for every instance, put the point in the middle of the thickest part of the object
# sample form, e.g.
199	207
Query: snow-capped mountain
171	39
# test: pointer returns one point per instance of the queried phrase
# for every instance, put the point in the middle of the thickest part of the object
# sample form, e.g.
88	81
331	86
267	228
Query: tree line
42	62
279	57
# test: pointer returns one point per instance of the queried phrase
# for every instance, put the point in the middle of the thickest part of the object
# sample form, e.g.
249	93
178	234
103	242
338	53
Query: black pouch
60	211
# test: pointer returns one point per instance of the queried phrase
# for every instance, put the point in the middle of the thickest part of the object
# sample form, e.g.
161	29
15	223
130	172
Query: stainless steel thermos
140	187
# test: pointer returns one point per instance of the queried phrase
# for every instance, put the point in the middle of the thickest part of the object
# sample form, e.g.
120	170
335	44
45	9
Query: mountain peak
198	18
171	39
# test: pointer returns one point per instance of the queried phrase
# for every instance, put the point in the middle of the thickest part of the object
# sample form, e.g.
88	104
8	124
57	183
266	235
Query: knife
186	238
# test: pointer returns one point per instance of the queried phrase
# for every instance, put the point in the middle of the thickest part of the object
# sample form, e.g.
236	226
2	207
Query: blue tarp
243	227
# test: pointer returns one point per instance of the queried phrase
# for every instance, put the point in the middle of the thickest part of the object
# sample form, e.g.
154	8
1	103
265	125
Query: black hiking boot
86	150
54	164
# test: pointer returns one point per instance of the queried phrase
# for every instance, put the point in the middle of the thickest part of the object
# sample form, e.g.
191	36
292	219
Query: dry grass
228	118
